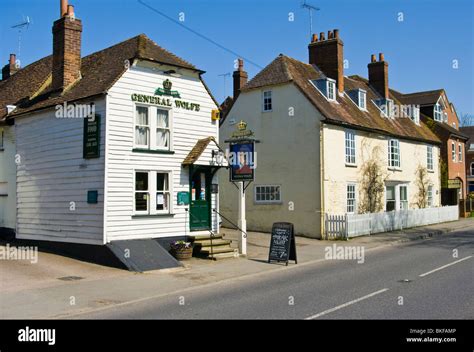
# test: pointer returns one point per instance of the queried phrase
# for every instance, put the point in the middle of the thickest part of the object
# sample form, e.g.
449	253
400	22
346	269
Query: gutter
322	176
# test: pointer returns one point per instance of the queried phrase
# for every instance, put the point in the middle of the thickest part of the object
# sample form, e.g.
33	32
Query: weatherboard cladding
285	70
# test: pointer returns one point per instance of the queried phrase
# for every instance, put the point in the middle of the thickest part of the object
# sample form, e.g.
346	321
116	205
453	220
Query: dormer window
327	87
415	114
438	113
331	89
362	99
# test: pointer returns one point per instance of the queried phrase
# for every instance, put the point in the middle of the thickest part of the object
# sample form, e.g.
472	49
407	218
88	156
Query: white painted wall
52	177
337	174
288	155
121	161
8	179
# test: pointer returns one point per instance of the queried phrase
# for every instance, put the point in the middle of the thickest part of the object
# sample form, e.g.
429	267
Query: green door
200	208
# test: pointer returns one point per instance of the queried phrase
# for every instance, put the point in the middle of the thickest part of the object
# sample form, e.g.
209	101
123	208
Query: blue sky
420	49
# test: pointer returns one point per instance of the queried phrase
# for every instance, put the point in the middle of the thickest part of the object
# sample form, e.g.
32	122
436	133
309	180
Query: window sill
152	216
430	171
391	168
152	151
351	165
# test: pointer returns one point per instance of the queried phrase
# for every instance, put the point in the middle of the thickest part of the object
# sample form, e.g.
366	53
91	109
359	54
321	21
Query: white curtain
141	130
162	131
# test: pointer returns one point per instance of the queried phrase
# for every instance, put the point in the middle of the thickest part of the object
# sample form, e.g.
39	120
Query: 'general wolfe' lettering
150	99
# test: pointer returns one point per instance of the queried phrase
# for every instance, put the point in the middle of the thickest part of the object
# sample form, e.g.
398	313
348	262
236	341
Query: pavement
32	291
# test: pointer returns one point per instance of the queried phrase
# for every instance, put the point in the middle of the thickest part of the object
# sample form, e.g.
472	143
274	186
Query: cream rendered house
319	131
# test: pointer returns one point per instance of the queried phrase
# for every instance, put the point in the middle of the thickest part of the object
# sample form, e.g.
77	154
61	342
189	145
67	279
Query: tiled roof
284	70
30	88
197	150
421	98
468	131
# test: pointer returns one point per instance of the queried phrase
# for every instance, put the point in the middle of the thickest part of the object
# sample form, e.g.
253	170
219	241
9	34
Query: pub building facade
140	164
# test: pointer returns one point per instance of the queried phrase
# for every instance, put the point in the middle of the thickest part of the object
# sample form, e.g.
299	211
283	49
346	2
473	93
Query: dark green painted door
200	207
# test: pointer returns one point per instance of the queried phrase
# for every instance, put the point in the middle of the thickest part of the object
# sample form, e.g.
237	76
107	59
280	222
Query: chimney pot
336	33
12	60
314	38
70	11
381	57
63	8
321	36
372	58
329	35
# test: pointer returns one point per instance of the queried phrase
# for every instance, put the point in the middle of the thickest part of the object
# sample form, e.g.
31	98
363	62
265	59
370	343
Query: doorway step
213	248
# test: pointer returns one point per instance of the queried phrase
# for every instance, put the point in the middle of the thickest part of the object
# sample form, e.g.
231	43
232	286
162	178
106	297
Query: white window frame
429	158
267	100
397	200
153	192
460	154
362	95
153	127
350	145
330	83
275	201
391	160
416	115
429	195
438	112
400	202
354	199
453	151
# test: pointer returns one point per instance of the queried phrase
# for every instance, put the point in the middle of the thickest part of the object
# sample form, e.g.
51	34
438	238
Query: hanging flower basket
181	250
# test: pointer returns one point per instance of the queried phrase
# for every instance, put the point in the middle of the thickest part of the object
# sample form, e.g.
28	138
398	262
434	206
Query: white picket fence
353	225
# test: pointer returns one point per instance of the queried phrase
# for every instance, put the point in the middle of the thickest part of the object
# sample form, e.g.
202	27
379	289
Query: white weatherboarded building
139	166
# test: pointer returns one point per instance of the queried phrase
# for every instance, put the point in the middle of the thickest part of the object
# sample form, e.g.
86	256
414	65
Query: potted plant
181	250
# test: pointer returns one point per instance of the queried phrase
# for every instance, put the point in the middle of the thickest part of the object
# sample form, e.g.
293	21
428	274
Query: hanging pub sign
241	161
91	142
282	243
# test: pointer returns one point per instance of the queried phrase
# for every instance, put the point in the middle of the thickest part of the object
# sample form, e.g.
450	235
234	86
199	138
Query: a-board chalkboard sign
282	243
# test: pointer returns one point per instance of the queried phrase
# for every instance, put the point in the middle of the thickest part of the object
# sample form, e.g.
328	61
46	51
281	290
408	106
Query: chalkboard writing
282	243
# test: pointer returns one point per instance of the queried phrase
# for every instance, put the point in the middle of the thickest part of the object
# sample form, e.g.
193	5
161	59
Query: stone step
214	242
219	256
216	250
204	237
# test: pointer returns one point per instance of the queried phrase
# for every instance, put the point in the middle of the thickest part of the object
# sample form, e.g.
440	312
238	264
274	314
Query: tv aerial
310	8
22	26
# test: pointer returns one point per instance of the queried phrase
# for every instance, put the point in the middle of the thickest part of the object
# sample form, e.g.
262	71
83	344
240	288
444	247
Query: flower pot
182	254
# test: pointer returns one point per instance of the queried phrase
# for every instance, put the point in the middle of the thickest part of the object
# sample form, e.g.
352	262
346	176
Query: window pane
161	182
142	115
162	138
141	135
141	201
162	201
162	118
390	193
141	181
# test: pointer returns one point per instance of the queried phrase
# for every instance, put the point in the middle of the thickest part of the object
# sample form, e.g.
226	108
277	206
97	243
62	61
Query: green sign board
92	197
91	147
183	198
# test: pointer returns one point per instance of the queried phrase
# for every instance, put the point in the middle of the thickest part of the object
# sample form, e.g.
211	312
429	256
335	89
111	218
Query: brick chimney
66	48
11	68
240	79
328	56
378	75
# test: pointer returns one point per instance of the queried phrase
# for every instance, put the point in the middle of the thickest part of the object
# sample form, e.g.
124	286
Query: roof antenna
225	75
310	8
23	25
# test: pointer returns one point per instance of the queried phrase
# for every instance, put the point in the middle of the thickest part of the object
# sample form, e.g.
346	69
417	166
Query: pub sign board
282	243
242	161
91	148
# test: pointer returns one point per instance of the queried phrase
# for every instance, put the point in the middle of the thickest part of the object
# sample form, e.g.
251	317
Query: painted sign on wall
91	142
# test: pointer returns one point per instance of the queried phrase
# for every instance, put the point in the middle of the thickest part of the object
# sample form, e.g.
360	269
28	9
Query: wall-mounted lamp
173	73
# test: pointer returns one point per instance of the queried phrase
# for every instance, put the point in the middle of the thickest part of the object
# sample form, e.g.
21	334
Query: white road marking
346	304
445	266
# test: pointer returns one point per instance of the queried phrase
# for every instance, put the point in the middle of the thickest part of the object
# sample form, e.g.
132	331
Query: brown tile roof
421	98
284	70
99	72
225	108
468	131
197	150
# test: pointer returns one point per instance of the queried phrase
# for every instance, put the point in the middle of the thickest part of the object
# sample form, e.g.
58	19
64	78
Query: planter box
182	254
